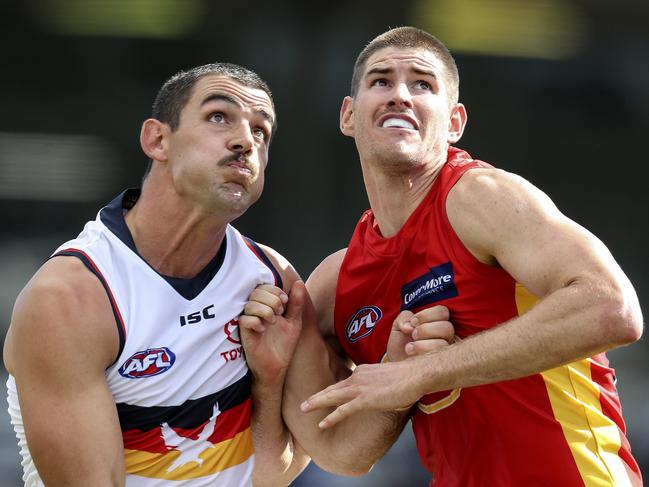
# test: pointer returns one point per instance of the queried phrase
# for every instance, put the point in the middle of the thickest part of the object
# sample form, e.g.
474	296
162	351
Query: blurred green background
556	90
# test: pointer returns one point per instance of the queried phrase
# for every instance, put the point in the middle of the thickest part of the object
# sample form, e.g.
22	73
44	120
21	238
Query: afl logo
362	323
147	363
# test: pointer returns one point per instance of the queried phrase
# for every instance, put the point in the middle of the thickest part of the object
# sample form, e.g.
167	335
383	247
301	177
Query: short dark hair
176	91
404	38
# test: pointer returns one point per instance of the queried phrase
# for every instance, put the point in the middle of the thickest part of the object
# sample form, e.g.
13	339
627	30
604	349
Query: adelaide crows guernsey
180	382
562	427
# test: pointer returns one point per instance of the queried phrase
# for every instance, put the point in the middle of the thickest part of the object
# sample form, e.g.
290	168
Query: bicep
503	217
61	343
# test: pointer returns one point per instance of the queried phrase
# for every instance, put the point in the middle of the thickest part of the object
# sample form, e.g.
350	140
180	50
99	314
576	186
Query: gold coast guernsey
561	427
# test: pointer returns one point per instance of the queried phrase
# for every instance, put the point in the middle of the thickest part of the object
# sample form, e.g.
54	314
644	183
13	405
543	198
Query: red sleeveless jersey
562	427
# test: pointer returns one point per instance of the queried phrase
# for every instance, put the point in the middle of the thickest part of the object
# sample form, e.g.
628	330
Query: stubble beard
392	159
231	198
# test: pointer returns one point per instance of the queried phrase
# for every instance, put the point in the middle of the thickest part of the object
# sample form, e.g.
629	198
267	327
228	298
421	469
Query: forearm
572	323
351	447
278	459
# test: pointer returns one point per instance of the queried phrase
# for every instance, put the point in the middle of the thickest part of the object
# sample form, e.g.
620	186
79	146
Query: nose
242	139
400	96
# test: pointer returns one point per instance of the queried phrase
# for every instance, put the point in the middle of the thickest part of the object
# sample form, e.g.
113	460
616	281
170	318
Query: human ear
347	117
457	122
153	139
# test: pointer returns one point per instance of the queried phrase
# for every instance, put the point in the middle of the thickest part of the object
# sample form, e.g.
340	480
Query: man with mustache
124	352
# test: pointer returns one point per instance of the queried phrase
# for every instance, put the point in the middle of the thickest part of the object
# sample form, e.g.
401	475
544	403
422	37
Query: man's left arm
586	303
278	458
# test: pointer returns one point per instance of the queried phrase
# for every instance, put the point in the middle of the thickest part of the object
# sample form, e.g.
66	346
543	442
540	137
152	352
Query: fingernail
304	406
283	298
322	424
272	319
281	310
410	348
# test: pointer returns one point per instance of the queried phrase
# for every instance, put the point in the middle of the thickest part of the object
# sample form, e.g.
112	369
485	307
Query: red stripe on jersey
264	259
228	424
604	377
108	291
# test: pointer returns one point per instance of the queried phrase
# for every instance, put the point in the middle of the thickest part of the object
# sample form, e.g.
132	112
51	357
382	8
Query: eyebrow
423	72
232	101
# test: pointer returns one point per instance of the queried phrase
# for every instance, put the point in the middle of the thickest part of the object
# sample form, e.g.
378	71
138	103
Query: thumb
403	317
296	299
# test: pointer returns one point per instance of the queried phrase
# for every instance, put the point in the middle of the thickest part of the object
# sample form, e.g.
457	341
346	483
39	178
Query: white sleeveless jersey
180	382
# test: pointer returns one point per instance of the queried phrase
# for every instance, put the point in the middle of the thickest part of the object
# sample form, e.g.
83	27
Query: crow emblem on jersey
435	285
231	330
147	363
362	323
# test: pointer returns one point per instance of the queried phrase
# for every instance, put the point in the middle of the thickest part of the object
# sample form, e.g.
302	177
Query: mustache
235	157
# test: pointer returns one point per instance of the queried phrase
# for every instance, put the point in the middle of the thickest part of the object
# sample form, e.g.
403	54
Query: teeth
398	122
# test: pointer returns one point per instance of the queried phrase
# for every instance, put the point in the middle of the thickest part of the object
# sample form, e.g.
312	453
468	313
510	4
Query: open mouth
398	121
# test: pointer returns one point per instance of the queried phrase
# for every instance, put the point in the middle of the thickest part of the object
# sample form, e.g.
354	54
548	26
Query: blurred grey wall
557	91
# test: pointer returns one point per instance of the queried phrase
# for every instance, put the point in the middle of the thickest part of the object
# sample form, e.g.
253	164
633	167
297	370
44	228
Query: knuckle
444	312
448	329
277	303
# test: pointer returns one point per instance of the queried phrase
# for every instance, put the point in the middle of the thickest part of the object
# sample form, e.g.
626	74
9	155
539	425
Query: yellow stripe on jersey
209	461
445	402
525	300
593	438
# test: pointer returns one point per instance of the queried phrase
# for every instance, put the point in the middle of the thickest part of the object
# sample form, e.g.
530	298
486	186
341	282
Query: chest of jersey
180	383
423	265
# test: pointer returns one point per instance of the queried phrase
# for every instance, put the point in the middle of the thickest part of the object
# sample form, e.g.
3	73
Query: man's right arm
353	446
61	339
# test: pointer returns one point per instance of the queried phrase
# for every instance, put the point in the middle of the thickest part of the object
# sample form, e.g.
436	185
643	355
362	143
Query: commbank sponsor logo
147	363
362	323
435	285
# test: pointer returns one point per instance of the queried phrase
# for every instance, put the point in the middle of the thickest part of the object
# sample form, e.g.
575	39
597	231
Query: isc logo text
197	316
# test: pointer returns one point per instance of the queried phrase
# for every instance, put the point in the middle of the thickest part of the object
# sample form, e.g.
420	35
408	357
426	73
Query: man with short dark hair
124	348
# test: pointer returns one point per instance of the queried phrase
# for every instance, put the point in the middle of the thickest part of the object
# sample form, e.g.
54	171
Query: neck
395	193
175	238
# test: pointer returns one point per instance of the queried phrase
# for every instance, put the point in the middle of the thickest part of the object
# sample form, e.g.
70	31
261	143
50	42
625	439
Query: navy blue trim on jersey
87	261
191	414
112	215
264	258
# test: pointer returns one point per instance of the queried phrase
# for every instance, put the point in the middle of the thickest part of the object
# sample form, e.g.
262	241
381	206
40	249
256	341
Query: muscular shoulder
62	310
487	205
497	191
283	266
321	285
